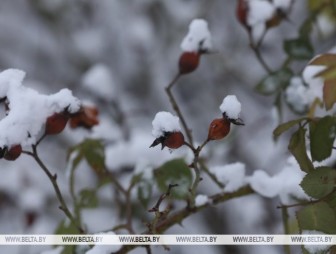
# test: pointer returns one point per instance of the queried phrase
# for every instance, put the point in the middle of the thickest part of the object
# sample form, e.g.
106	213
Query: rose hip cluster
86	117
166	127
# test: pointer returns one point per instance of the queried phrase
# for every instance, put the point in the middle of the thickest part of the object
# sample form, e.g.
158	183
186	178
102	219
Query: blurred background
129	49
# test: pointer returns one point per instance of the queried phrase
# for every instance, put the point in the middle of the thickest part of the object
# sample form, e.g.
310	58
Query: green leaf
299	49
274	82
328	73
319	217
174	172
329	93
286	126
93	152
88	198
319	182
324	59
66	228
297	146
322	136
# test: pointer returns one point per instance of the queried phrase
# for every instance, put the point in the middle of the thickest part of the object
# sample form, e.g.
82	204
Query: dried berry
172	140
188	62
56	123
13	153
87	117
242	12
219	128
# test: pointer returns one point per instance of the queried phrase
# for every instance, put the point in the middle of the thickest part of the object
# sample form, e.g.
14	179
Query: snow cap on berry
165	122
231	107
198	38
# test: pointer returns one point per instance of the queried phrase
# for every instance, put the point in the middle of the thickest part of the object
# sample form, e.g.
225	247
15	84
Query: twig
53	178
211	175
308	202
178	111
256	50
195	184
156	207
179	216
173	82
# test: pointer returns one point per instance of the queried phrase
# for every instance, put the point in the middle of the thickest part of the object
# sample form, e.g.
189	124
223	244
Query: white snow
232	175
198	37
264	184
32	199
284	5
231	107
261	11
201	200
104	249
312	248
298	95
165	122
99	80
28	109
285	184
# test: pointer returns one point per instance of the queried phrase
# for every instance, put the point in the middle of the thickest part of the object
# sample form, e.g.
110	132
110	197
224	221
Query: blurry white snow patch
165	122
232	175
285	184
57	250
264	184
298	95
283	5
325	25
231	107
104	249
315	248
28	109
91	43
198	37
314	82
106	130
32	199
99	219
201	200
99	80
261	11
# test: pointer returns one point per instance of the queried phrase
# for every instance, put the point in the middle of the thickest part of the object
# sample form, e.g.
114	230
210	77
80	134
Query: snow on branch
27	110
198	38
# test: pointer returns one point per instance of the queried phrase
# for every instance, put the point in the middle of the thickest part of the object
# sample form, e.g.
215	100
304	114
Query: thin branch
256	50
179	216
53	179
114	180
156	207
194	186
178	111
174	81
310	202
211	175
41	138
